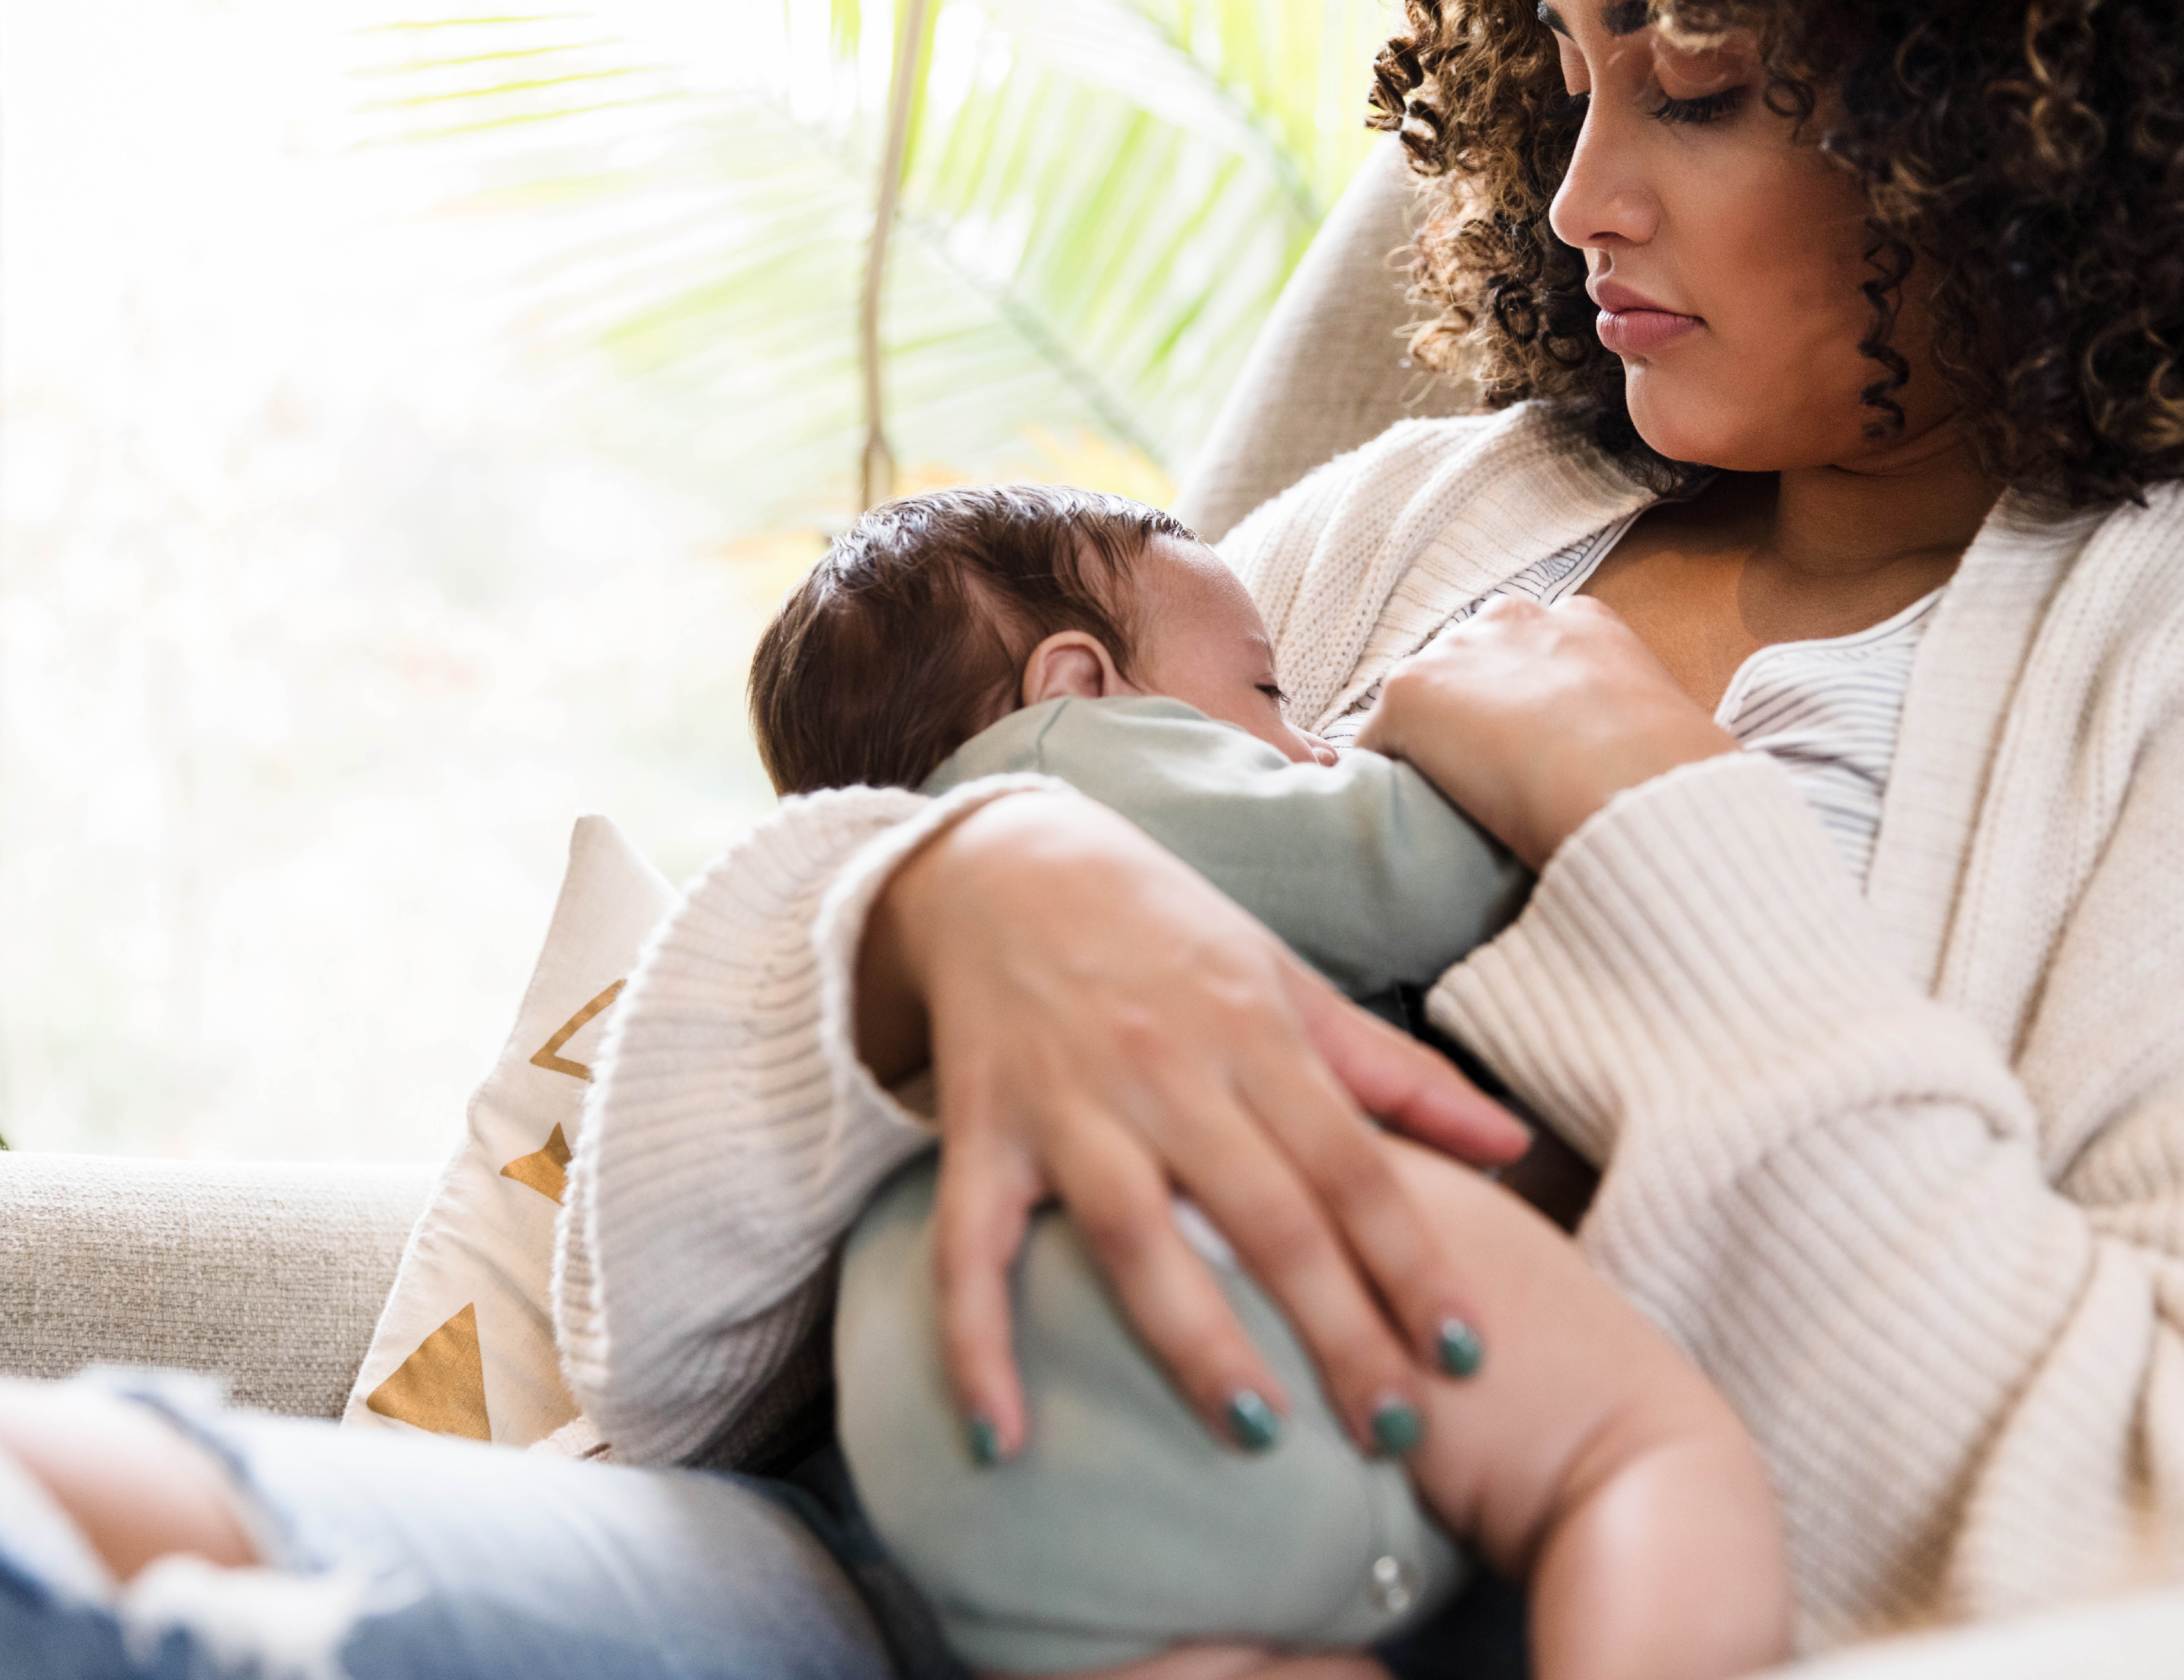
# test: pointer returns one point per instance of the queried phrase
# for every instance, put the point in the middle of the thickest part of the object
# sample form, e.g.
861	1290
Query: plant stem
876	481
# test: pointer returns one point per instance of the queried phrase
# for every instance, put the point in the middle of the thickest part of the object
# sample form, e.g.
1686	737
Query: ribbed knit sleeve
1953	1332
732	1135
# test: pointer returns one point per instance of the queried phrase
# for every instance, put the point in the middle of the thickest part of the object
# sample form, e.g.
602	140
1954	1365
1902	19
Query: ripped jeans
415	1557
401	1555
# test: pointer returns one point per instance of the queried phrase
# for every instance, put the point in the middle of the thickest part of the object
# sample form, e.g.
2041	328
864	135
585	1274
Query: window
408	426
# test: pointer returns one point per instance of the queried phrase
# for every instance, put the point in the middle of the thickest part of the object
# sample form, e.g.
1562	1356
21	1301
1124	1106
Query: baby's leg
1591	1460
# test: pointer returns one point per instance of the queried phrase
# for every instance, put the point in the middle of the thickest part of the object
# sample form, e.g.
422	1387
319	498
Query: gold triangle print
546	1171
546	1056
442	1386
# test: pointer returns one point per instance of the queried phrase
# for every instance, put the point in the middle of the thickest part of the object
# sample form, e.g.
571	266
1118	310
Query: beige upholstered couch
272	1274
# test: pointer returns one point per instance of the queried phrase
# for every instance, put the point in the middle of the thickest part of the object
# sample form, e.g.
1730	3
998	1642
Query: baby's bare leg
137	1488
1591	1460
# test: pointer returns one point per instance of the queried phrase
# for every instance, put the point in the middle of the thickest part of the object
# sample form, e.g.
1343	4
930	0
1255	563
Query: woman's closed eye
1706	108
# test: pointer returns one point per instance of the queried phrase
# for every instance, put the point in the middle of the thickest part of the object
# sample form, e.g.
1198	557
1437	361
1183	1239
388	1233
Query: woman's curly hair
2028	154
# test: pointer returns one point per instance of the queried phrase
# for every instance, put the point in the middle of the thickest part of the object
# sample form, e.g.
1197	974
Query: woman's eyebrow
1617	17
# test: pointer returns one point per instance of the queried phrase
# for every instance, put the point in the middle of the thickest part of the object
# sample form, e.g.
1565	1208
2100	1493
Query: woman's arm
1957	1342
1942	1279
723	1149
734	1132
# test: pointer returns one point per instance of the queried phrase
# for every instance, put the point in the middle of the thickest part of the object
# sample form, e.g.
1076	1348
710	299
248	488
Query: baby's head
937	615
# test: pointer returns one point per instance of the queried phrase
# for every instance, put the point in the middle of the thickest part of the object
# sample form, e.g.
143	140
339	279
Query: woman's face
1725	256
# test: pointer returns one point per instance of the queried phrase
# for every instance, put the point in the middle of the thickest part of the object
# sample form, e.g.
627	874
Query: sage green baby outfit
1123	1527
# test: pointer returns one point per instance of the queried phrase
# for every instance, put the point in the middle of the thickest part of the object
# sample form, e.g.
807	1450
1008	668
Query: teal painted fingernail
1396	1427
1461	1352
1252	1422
983	1440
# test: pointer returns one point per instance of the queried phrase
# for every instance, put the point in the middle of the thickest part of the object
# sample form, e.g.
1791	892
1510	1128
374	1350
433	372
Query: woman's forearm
732	1134
1831	1189
892	1031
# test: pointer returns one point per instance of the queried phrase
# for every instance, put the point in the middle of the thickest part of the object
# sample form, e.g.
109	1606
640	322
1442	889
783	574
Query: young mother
1851	757
1852	760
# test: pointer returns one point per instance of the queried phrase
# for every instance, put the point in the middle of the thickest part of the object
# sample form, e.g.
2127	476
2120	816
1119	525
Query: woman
1876	1026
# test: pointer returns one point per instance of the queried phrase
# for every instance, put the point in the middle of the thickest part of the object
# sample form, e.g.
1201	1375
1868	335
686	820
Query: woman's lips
1641	333
1632	324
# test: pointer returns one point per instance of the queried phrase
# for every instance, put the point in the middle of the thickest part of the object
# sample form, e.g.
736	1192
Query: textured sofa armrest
270	1273
1329	372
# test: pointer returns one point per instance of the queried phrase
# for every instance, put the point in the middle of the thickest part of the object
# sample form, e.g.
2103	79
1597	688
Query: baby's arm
1362	867
1591	1459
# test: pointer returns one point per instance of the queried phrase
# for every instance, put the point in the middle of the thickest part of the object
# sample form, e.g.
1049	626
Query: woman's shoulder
2153	527
2119	598
2127	593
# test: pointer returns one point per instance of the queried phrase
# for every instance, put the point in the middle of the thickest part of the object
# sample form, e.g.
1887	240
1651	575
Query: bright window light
406	425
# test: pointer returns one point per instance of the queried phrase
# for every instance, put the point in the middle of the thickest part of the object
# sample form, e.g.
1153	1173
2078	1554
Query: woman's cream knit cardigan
1902	1167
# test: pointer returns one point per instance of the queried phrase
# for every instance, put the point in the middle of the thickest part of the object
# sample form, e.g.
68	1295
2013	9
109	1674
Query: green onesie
1123	1527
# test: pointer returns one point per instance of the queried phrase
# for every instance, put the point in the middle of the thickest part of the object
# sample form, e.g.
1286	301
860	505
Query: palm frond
1102	199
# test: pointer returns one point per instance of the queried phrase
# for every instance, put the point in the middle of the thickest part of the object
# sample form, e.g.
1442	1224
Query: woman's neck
1916	506
1810	552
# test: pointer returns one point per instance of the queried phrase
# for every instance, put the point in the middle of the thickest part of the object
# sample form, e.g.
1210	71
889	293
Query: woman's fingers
1124	1211
1261	1198
1392	1075
981	1209
1406	1259
1532	718
1127	1216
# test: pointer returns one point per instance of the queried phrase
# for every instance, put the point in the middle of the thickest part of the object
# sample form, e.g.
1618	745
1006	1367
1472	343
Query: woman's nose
1322	753
1605	201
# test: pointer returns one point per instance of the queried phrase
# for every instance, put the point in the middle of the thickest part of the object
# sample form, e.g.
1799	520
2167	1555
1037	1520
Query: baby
970	633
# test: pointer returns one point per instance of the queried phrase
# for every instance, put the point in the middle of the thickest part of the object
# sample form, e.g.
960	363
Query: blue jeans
415	1557
403	1555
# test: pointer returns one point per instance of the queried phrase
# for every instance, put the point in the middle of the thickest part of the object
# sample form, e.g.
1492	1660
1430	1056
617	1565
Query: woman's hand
1531	718
1106	1027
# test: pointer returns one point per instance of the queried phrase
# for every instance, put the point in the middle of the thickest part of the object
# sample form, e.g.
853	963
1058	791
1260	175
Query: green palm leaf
1102	199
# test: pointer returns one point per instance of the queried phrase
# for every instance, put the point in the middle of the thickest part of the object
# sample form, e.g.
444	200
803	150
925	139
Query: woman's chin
1684	419
1724	424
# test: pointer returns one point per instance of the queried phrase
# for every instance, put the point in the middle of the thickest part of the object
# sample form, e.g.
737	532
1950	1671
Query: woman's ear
1070	664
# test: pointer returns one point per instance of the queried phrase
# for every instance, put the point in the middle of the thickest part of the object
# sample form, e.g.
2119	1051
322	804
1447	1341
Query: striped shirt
1825	710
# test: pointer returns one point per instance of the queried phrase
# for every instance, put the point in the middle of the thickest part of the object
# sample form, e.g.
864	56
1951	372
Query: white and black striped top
1825	710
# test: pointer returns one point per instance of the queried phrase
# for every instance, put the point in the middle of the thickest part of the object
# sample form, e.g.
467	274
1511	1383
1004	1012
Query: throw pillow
465	1344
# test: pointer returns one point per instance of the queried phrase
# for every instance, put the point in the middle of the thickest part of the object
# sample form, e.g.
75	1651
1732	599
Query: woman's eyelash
1274	693
1707	107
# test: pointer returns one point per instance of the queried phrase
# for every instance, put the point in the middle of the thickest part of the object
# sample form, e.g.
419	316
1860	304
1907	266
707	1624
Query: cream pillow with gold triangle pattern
465	1343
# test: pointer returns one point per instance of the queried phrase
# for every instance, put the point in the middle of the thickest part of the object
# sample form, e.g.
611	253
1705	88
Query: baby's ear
1071	665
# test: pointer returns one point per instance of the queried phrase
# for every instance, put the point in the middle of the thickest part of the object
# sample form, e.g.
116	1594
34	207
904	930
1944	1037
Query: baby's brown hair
909	635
